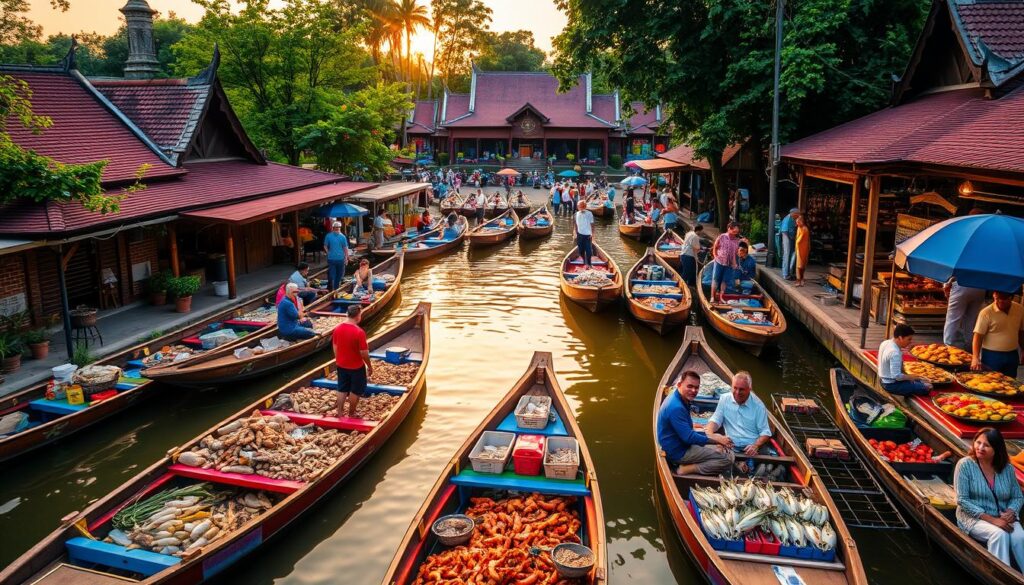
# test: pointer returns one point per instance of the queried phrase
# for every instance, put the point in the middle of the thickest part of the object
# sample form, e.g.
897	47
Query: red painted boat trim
282	486
113	512
328	422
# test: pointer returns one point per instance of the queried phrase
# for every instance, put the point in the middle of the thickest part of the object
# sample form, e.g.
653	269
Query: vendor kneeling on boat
745	419
685	448
292	323
890	364
988	497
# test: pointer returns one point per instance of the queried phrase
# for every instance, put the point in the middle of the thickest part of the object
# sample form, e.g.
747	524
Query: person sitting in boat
451	232
744	419
364	279
890	364
611	194
630	206
292	323
301	278
988	497
746	269
425	221
687	450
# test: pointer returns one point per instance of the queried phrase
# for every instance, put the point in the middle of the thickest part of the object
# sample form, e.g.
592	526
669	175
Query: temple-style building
523	117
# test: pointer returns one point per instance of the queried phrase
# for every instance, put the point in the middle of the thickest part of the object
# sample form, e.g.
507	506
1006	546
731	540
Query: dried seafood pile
592	278
743	316
324	402
325	324
652	301
262	314
663	289
499	550
273	447
170	352
389	374
563	455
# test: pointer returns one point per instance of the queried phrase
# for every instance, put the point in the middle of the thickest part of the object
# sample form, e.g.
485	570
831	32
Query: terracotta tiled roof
1000	25
206	185
84	129
643	121
954	129
167	110
423	117
684	154
499	94
604	107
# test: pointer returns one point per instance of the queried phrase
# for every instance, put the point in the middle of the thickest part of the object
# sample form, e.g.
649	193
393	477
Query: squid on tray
499	549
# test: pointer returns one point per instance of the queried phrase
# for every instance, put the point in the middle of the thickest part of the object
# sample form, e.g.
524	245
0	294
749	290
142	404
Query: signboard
908	226
13	304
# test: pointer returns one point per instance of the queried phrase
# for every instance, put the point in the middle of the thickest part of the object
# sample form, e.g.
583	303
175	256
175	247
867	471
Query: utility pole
773	182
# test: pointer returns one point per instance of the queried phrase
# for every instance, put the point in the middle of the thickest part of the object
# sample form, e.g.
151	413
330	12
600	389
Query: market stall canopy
632	165
388	191
341	210
659	165
508	173
634	181
257	209
981	251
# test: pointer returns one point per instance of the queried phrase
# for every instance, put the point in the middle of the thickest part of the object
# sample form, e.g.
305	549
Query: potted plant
570	157
157	287
183	288
11	347
38	341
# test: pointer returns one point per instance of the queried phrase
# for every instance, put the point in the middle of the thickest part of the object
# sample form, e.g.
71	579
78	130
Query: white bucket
63	372
220	288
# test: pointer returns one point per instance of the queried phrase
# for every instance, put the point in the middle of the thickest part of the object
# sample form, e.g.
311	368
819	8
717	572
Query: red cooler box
528	454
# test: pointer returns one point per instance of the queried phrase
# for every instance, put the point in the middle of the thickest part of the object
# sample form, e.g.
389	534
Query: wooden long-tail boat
469	206
600	206
661	318
459	485
638	228
592	296
756	323
498	230
66	556
50	420
451	203
520	203
735	567
898	477
436	242
668	247
223	365
496	205
539	224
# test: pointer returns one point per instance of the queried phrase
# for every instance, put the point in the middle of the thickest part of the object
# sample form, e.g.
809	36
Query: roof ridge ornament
207	75
70	60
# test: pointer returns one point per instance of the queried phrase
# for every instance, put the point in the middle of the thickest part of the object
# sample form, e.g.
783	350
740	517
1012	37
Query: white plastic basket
494	439
532	421
561	470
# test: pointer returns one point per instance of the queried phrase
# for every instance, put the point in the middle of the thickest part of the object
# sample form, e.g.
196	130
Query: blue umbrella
425	161
981	251
634	181
568	174
341	210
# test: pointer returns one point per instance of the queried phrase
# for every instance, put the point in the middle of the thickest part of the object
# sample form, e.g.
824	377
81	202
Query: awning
660	165
11	246
264	207
388	191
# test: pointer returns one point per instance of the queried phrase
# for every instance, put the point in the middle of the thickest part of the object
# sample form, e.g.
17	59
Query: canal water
492	308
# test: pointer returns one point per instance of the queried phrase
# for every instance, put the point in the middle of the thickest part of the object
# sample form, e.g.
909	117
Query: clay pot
10	364
183	305
39	350
158	298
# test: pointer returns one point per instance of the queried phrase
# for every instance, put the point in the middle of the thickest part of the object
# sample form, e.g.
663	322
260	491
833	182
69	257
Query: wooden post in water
229	251
851	249
875	183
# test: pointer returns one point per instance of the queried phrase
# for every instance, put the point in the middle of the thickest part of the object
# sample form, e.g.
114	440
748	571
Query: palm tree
384	23
412	16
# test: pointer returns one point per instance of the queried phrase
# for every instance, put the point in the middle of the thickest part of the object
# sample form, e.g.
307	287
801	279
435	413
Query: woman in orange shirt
803	248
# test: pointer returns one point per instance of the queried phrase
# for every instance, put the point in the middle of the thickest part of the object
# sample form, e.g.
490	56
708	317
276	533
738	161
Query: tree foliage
511	51
711	63
353	138
280	67
460	29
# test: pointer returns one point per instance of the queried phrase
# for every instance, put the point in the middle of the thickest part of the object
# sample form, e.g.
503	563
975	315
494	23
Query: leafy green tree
460	27
280	67
711	63
353	139
166	32
511	51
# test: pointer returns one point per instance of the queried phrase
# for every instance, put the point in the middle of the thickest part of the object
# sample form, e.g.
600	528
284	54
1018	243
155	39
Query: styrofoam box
494	439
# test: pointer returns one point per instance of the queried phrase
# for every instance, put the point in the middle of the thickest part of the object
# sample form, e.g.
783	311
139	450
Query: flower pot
10	364
39	350
183	304
158	298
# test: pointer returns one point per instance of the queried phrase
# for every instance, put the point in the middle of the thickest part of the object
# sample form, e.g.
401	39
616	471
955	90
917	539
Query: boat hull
478	237
527	232
753	338
592	298
661	321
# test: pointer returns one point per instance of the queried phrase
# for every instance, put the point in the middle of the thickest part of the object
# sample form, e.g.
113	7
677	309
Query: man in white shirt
481	206
890	364
744	418
688	255
663	199
583	229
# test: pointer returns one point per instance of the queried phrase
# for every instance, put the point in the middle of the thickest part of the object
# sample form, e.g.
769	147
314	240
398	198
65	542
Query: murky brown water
492	309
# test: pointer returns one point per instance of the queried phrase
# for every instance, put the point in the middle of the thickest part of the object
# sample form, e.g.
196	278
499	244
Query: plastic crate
495	439
528	454
532	421
561	470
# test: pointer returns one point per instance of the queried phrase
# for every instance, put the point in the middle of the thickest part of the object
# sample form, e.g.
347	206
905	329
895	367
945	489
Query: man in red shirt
352	356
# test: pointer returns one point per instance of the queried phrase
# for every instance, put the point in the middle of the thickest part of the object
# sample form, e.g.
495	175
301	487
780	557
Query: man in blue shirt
788	230
746	269
336	246
301	278
292	324
684	447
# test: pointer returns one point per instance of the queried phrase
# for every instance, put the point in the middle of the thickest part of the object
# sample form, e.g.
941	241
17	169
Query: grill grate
858	496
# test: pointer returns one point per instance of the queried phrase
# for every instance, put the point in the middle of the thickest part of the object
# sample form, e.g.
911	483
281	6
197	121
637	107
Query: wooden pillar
296	245
851	247
476	154
172	234
578	153
229	252
869	255
801	196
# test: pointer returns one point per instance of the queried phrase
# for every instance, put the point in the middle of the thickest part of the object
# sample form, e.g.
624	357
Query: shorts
353	381
719	272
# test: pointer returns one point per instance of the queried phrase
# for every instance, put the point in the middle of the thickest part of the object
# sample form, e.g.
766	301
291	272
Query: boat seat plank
135	364
120	386
414	356
654	282
642	295
593	262
693	477
328	422
245	324
721	307
281	486
58	407
528	483
133	373
65	574
84	550
370	388
555	428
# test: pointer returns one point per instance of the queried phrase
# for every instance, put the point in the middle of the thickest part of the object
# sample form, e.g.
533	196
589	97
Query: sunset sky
538	16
